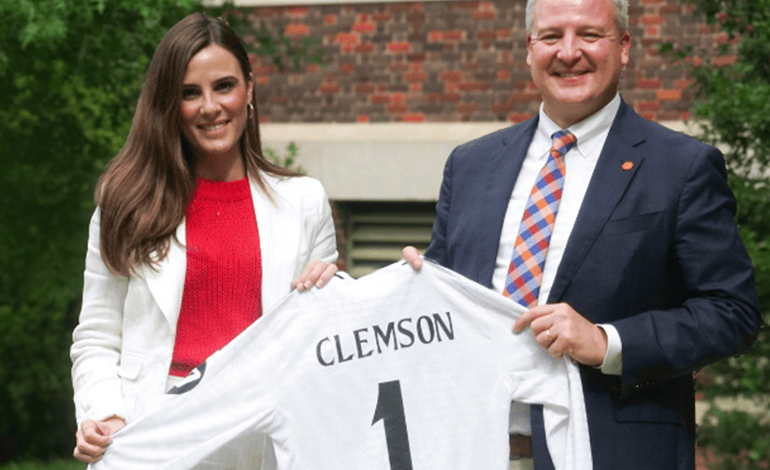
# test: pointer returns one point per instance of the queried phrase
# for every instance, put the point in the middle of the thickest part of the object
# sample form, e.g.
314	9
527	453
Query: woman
195	235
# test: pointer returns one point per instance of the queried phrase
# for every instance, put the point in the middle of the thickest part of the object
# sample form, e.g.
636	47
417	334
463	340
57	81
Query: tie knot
563	141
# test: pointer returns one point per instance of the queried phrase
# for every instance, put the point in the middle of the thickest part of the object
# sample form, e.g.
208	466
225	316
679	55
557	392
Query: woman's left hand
316	273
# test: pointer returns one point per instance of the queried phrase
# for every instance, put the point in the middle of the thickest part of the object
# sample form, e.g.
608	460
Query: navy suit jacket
655	252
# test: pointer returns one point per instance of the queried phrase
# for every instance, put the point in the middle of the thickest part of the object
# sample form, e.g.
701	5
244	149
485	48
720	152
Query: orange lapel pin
627	165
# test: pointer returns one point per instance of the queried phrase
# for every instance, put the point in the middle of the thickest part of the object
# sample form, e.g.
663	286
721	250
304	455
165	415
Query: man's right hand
413	256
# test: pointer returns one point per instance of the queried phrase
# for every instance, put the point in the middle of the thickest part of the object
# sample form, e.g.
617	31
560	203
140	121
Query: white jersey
400	369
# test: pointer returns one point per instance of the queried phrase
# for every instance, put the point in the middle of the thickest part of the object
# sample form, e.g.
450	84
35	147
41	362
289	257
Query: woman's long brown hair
143	193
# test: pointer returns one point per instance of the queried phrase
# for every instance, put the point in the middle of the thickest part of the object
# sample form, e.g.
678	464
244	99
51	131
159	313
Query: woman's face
215	95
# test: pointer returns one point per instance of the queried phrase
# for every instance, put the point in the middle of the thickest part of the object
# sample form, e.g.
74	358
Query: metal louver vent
377	232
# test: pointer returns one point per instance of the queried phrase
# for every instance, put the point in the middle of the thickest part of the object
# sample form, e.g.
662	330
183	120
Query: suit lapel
612	175
166	281
502	170
272	224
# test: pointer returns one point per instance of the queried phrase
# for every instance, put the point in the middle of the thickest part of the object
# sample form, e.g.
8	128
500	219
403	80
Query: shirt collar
589	132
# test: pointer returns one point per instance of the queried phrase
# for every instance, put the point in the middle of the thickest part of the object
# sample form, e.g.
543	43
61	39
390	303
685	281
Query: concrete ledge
381	162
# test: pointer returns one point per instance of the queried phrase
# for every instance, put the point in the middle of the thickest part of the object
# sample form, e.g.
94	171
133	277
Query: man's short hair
621	14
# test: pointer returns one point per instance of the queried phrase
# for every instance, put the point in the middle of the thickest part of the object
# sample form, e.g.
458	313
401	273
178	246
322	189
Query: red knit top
223	284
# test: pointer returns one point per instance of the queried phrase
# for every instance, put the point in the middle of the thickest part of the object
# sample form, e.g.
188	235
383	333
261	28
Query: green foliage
738	438
270	41
734	108
286	161
56	464
70	72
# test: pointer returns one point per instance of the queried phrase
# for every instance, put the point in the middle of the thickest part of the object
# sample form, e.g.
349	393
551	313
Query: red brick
415	77
313	68
396	7
263	80
451	35
519	117
683	83
413	117
502	107
696	61
264	69
397	108
503	75
398	98
648	105
347	38
365	48
721	38
381	17
362	118
347	68
364	27
399	47
724	60
651	41
297	11
474	86
486	35
704	29
670	10
484	15
329	88
653	19
380	99
648	83
669	95
330	20
651	31
398	66
467	107
448	76
525	97
450	97
364	88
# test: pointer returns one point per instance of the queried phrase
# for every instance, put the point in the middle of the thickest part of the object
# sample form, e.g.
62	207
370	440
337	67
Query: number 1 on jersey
390	409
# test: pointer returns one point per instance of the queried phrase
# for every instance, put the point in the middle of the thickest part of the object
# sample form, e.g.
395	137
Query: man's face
576	54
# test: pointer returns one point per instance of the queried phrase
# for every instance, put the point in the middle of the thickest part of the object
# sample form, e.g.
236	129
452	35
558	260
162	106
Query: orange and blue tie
525	273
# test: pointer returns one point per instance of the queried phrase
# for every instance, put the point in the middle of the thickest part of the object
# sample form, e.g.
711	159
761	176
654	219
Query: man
642	278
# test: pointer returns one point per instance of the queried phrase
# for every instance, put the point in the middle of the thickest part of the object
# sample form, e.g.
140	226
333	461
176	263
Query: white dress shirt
580	162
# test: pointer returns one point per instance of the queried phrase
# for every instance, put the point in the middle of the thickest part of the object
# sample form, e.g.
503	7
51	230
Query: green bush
734	108
70	72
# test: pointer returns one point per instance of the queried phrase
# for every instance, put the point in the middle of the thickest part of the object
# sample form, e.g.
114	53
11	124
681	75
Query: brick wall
454	62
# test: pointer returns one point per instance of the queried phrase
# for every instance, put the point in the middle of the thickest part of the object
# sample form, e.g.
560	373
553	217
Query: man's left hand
561	330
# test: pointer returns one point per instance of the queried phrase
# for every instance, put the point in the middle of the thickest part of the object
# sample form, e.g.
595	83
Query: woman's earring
249	111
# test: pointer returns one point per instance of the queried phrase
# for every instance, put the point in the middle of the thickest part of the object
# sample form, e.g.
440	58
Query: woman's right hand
94	437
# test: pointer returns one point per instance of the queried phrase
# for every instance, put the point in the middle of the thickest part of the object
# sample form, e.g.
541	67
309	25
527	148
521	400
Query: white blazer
124	341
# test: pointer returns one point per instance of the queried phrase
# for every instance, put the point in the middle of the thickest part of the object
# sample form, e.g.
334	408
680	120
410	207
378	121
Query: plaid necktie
525	274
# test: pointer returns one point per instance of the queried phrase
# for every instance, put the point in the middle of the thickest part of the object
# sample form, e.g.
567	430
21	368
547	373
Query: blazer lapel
503	169
612	175
166	280
277	239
